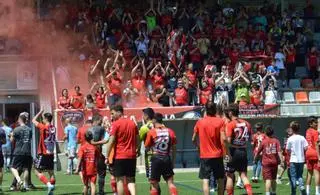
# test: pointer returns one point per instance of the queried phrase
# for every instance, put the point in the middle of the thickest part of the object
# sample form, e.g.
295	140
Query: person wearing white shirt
280	60
296	145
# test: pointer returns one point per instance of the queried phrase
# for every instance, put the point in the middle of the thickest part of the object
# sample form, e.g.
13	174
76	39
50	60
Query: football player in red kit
161	141
256	142
238	132
88	156
44	161
270	150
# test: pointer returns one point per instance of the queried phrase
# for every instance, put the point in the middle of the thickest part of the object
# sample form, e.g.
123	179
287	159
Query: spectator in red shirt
115	87
290	53
124	137
138	77
88	156
313	63
205	93
211	132
157	75
77	99
192	82
180	94
271	154
256	97
195	56
234	55
101	98
64	101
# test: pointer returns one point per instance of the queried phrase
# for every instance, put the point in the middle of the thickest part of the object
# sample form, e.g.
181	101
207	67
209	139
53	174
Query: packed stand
182	54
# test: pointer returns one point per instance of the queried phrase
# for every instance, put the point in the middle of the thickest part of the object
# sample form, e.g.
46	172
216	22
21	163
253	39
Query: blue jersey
71	132
7	130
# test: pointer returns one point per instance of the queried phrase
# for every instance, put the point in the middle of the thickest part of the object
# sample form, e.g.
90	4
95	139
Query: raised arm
106	64
95	67
144	70
133	72
154	69
35	118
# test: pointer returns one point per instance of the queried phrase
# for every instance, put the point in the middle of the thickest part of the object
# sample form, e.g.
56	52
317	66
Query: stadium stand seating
314	97
288	97
301	72
301	97
307	83
294	83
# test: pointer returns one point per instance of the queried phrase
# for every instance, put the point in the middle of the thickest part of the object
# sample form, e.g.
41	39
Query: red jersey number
242	134
162	142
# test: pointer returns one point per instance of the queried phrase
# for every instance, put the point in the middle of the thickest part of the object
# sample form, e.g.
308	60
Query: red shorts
269	172
312	165
87	179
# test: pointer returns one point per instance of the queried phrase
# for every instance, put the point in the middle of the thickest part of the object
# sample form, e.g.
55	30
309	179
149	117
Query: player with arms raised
238	132
44	161
161	140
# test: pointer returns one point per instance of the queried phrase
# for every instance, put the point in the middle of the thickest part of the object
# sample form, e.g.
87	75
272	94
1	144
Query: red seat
302	97
307	83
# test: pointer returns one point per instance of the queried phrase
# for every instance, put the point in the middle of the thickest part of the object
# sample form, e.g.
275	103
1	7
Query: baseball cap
149	112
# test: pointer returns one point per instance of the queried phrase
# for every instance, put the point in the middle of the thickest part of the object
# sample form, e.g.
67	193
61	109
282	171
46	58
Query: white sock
317	190
308	189
267	193
48	184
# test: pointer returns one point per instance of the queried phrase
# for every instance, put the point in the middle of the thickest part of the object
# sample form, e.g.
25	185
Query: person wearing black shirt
22	160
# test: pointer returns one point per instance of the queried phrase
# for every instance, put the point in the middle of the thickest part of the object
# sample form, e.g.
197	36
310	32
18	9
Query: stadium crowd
187	54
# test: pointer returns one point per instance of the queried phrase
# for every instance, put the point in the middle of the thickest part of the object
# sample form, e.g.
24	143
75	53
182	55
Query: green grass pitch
187	184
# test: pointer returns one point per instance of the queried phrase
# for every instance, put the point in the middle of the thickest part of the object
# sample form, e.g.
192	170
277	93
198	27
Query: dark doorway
12	111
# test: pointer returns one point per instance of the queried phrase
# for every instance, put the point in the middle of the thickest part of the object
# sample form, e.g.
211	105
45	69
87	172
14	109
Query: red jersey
47	139
100	100
270	147
205	95
161	140
78	100
313	59
291	58
196	56
157	81
234	57
139	83
312	137
192	78
64	102
125	132
240	131
115	86
217	32
209	130
257	139
181	96
256	97
82	133
89	155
